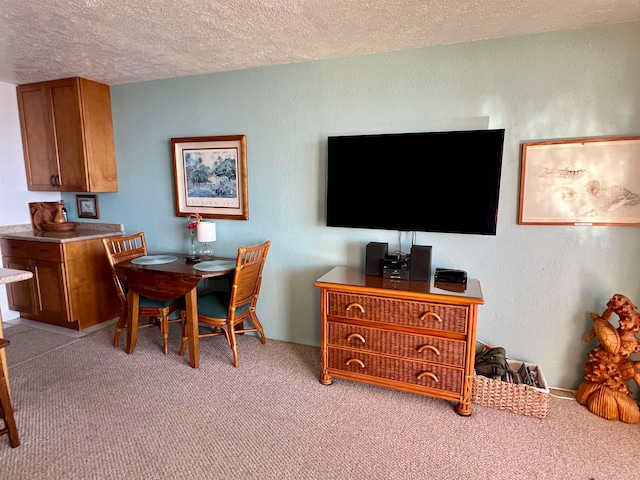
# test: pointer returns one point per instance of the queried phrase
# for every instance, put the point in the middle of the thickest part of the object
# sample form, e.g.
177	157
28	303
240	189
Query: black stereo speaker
376	251
420	263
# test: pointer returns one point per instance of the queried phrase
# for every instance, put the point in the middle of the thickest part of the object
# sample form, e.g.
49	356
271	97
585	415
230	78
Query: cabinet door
67	127
41	161
67	136
21	295
51	293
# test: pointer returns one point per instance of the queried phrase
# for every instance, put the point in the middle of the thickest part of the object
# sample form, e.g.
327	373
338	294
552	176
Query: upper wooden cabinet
67	136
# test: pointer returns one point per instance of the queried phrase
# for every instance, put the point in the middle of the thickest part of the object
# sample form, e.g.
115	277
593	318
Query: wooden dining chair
222	312
118	250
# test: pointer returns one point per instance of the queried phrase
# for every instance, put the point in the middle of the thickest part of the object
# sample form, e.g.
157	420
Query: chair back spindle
120	249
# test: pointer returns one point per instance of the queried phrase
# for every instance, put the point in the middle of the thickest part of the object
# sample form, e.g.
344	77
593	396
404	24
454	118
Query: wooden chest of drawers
413	336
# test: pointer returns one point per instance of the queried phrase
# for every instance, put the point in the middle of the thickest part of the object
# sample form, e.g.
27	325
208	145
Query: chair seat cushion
145	302
216	305
149	302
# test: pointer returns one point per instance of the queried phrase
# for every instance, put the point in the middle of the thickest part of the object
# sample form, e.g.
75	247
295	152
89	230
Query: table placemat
215	265
154	259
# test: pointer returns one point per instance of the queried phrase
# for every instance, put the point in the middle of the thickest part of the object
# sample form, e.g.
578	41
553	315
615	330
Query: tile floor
30	339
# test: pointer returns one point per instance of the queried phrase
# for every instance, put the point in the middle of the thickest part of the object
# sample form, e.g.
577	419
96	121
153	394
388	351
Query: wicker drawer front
32	250
405	371
420	347
400	312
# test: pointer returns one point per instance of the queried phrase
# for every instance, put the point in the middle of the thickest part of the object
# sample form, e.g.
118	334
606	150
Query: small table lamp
206	234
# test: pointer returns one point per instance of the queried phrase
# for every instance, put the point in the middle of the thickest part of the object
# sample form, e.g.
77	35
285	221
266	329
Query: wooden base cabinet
412	336
71	286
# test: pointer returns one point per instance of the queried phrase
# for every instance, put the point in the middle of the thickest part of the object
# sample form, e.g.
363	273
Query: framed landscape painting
591	181
210	176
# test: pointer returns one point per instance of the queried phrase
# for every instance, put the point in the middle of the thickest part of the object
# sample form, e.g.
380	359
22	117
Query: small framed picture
87	206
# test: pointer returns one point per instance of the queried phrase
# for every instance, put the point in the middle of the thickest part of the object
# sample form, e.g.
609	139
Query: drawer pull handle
355	335
355	305
422	348
354	360
428	374
431	314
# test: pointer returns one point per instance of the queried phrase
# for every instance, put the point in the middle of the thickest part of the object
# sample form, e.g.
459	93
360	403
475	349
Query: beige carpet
90	411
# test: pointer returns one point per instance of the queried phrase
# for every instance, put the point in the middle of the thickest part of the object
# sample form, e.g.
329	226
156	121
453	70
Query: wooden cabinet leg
464	406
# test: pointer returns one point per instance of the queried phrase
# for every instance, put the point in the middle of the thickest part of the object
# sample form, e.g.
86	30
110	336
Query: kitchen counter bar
84	231
10	275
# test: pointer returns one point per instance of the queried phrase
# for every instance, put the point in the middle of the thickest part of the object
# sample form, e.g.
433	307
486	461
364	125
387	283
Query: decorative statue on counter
604	391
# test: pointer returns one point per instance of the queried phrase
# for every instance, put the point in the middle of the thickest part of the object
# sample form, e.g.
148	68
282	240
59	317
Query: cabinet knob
355	305
52	180
351	336
354	360
431	314
428	374
422	348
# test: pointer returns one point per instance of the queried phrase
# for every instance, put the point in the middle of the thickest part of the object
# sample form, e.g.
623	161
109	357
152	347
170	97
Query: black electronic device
376	252
450	286
420	263
450	275
396	267
445	181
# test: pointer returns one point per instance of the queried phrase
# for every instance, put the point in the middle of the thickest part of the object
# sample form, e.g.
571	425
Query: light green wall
539	283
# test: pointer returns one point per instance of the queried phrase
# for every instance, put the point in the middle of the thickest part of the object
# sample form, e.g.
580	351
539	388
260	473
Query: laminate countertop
83	231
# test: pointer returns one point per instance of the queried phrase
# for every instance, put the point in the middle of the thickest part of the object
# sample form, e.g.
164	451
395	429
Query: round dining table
167	276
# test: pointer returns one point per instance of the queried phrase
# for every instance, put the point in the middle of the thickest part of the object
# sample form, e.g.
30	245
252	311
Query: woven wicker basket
59	227
512	397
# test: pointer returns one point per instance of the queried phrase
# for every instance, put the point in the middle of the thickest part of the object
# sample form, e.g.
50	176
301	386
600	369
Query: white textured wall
14	196
540	283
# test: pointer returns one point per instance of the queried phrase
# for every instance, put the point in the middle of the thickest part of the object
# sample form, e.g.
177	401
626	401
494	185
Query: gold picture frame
210	176
588	181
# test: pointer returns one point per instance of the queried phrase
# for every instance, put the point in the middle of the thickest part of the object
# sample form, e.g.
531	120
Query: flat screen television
416	182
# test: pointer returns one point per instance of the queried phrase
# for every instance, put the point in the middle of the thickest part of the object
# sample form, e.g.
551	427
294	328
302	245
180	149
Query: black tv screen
427	182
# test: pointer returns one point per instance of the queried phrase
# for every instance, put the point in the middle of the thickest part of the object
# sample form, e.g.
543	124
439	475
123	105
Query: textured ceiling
117	42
